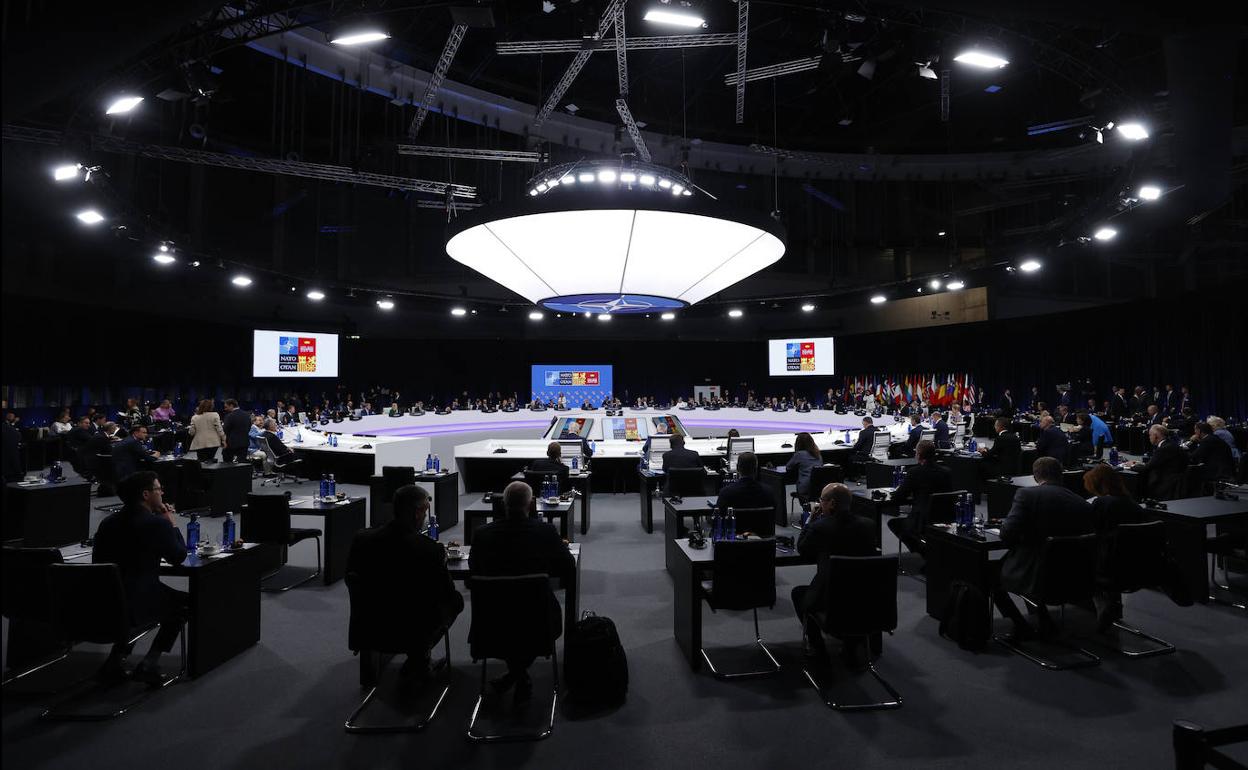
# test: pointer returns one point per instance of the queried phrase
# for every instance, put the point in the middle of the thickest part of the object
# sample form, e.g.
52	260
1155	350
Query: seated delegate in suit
406	575
1219	430
206	432
832	530
1046	510
921	482
520	545
942	431
914	434
806	455
1111	505
866	438
679	457
551	463
130	455
282	454
136	538
1212	452
77	441
1001	459
1161	477
745	492
1052	441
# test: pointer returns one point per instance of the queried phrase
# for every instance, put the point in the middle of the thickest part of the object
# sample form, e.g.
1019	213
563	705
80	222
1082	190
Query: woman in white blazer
207	435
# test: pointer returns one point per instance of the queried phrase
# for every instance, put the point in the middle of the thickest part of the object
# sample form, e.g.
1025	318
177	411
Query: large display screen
625	428
294	354
577	383
573	427
800	357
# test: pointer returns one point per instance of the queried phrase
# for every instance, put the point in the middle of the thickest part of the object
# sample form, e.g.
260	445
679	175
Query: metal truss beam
783	68
439	74
470	153
626	115
621	51
743	27
633	44
578	63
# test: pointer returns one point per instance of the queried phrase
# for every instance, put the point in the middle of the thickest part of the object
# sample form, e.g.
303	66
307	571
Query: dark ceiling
847	238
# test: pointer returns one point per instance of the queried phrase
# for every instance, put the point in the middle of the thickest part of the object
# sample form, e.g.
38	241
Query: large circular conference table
486	461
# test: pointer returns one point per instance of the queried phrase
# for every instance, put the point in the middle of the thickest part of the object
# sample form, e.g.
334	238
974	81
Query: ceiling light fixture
1030	266
360	37
808	308
63	173
674	18
1133	131
536	315
988	61
668	316
123	104
736	313
651	252
604	316
1105	234
458	311
879	299
316	295
955	285
164	259
240	281
90	217
934	283
385	304
1149	192
941	234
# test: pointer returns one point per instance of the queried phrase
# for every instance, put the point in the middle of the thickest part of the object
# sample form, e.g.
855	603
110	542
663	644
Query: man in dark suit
1161	477
1153	415
519	545
1118	407
1170	399
746	492
866	438
1007	403
77	441
237	427
1185	398
136	538
404	579
679	457
921	482
551	464
1046	510
1052	441
831	531
130	455
914	434
1001	459
1212	452
942	431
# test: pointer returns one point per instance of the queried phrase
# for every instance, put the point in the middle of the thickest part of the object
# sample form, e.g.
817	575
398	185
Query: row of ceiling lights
610	176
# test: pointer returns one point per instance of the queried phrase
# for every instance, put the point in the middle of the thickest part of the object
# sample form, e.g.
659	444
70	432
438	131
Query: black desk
444	487
1130	478
1187	521
955	556
964	469
224	594
341	522
225	485
649	481
460	570
689	568
674	515
563	510
582	482
880	472
47	515
862	504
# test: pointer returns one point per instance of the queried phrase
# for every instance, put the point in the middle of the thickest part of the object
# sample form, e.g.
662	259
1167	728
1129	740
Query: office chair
267	520
744	578
1133	556
279	470
27	603
685	482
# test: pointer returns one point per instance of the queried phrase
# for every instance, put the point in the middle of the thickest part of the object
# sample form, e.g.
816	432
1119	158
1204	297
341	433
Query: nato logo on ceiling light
615	304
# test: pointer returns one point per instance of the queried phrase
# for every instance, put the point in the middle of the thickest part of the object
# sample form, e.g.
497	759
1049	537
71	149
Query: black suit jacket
913	438
1216	455
1004	453
1048	510
942	435
410	596
129	456
1052	443
839	534
135	539
920	483
1162	475
745	493
1118	406
522	547
680	458
1007	406
77	440
866	438
237	427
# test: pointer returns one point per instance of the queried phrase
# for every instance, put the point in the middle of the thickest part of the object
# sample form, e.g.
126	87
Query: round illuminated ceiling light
605	237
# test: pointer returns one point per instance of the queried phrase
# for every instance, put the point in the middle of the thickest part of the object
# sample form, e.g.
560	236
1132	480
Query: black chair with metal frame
192	485
267	521
757	521
89	604
535	480
941	509
1067	575
282	470
370	636
1133	556
27	603
820	477
105	475
744	578
685	482
381	509
1229	542
506	623
861	602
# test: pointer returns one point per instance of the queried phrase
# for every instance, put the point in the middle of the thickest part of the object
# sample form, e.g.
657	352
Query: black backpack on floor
594	666
966	619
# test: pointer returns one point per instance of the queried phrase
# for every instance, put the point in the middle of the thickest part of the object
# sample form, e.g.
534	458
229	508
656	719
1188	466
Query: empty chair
1067	575
1133	556
88	604
535	480
102	466
867	610
938	508
685	482
507	615
192	485
758	521
820	477
381	509
267	520
744	578
880	443
1230	542
27	603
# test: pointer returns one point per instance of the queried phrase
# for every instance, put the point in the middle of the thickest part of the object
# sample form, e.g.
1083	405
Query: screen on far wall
800	356
576	383
294	354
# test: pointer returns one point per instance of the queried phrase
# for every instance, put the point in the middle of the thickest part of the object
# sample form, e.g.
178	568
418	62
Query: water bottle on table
717	524
333	486
433	525
730	531
437	464
429	462
228	530
324	488
192	533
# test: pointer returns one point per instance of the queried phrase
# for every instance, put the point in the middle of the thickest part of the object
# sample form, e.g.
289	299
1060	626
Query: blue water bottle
428	462
324	490
730	531
896	476
433	525
333	486
192	533
228	530
972	445
717	524
281	435
574	464
177	449
437	464
1113	455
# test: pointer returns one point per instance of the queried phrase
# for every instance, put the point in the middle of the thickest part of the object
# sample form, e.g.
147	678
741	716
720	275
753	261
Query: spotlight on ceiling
668	316
606	176
585	177
164	246
604	316
647	179
941	233
1133	131
458	311
123	104
955	285
536	315
675	18
1105	234
69	171
808	308
984	60
628	177
925	71
359	37
1030	266
934	283
90	217
1149	192
316	295
164	259
736	313
385	303
879	299
240	281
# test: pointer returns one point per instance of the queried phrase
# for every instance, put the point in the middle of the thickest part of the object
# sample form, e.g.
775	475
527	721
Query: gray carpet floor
282	704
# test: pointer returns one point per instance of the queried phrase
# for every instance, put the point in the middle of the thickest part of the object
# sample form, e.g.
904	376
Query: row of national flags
936	389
